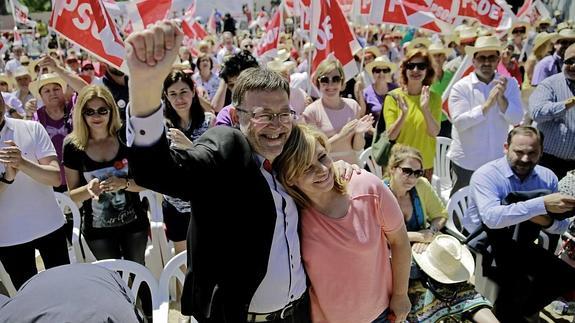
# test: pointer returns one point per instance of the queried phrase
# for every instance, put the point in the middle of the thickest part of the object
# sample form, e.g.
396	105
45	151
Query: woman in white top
205	77
31	218
340	119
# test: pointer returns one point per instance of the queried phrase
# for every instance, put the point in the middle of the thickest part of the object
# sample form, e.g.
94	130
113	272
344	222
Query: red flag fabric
211	24
194	30
365	7
87	24
269	42
396	12
146	12
331	35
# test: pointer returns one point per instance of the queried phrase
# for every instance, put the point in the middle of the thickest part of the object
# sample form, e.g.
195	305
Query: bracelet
4	180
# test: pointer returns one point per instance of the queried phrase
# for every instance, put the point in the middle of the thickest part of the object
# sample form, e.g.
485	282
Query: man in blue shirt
529	277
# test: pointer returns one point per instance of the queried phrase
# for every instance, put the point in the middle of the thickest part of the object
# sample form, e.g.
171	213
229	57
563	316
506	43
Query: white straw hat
446	260
381	61
46	79
484	43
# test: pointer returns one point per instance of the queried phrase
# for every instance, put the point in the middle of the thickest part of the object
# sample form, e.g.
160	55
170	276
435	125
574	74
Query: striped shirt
554	120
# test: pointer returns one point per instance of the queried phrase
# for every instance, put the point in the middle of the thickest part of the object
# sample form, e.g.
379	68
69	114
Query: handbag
381	145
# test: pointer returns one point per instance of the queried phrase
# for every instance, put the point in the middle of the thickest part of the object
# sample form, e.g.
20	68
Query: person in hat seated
348	233
483	105
425	215
529	277
412	112
553	64
341	119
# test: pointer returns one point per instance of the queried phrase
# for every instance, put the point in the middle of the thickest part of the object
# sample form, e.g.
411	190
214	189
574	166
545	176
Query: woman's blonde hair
399	154
327	66
81	133
298	155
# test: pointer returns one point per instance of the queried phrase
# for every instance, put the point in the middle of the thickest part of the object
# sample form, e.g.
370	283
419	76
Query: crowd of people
256	162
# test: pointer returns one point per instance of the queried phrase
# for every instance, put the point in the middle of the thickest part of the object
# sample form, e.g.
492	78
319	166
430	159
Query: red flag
145	12
194	30
87	24
211	24
17	37
365	7
346	6
398	13
331	35
269	42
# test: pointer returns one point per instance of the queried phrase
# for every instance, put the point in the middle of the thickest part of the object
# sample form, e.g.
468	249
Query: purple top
374	101
549	65
224	117
57	130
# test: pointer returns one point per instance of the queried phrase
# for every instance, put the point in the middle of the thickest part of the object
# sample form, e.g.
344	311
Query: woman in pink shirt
345	233
340	119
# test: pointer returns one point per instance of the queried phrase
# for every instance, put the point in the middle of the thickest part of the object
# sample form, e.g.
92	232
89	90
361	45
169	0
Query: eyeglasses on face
327	80
569	61
376	70
519	31
100	111
249	46
487	59
412	172
264	118
420	66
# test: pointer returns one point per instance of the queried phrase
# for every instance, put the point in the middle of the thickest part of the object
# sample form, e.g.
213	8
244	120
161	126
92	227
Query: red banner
87	24
269	41
406	13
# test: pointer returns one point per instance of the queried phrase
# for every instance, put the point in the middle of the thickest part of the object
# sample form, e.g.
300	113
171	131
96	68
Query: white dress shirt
285	279
479	137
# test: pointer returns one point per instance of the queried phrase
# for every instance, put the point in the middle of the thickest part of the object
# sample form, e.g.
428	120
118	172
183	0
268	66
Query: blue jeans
382	318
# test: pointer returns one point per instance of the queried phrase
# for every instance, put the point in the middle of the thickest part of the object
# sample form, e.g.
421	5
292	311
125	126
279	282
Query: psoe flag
87	24
269	42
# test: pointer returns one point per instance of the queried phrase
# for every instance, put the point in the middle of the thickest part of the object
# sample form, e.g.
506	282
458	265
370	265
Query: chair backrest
441	162
365	159
155	209
7	281
82	252
456	208
172	270
133	274
159	239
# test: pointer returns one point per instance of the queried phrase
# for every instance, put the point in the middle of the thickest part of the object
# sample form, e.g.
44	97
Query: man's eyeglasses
248	46
488	59
283	117
326	79
420	66
519	31
412	172
376	70
100	111
569	62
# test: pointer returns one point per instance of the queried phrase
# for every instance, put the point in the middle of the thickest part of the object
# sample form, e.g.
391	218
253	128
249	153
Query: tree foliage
37	5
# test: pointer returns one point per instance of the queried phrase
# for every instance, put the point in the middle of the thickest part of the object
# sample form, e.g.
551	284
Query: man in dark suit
244	262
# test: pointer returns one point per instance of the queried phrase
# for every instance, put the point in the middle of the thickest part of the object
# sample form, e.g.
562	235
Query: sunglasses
489	59
410	171
420	66
87	68
249	46
519	31
100	111
326	79
3	84
569	62
376	70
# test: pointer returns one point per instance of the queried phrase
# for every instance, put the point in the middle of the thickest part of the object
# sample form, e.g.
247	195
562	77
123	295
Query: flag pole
312	46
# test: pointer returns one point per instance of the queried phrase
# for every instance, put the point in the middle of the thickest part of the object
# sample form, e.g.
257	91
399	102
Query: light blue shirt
491	183
554	120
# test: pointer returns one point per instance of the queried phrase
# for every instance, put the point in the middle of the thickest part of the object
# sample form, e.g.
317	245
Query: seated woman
340	119
114	221
424	216
348	233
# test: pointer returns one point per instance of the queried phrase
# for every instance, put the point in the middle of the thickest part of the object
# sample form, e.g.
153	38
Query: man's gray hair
258	79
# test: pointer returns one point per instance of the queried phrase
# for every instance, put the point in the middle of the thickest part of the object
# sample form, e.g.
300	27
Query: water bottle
562	308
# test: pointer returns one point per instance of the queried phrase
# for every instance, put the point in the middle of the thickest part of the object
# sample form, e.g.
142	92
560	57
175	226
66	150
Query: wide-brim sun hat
567	33
484	43
542	38
7	79
438	48
418	43
21	71
467	34
381	62
44	79
446	260
373	50
519	24
283	54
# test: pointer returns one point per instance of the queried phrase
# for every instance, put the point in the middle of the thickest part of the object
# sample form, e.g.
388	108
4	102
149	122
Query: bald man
551	106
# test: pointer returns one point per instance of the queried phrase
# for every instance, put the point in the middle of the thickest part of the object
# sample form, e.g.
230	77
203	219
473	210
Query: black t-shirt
113	211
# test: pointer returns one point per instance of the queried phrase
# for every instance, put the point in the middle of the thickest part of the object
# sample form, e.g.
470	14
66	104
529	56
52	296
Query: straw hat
373	50
446	260
451	38
283	54
567	33
542	38
438	48
467	34
21	71
563	25
7	79
519	24
46	79
543	21
418	42
484	43
381	61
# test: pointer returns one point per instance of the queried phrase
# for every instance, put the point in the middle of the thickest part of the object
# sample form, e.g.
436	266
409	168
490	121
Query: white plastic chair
140	274
172	270
365	159
153	256
78	242
456	208
441	172
6	281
